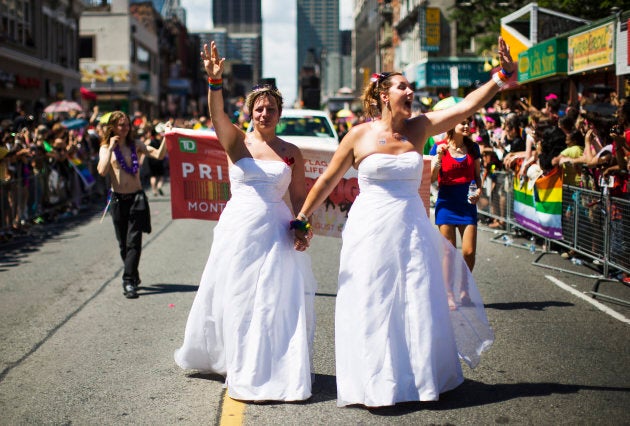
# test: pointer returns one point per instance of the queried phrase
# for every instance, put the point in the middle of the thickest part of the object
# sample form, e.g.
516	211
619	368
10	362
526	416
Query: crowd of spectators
40	157
48	164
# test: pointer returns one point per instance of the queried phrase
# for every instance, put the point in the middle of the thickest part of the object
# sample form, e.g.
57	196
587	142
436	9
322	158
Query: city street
75	351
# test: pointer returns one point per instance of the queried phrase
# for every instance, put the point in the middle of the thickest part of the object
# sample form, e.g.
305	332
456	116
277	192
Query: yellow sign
592	49
103	73
432	29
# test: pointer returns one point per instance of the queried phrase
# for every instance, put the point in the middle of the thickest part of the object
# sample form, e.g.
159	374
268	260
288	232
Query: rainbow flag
82	171
538	207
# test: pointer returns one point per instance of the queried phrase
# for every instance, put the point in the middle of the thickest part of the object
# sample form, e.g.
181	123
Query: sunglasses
261	87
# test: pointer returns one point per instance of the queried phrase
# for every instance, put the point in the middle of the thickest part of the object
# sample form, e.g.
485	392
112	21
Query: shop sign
7	80
27	82
104	73
431	31
438	73
543	60
592	49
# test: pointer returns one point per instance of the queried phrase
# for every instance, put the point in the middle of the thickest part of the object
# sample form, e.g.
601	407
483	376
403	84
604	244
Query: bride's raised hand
212	62
505	57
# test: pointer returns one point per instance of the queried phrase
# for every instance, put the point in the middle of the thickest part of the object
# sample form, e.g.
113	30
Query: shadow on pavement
148	290
472	394
29	240
324	388
530	306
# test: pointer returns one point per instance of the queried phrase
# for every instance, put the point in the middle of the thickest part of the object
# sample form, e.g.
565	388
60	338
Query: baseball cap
551	96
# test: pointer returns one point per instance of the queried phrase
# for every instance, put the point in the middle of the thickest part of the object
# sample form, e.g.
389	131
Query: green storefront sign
543	60
437	72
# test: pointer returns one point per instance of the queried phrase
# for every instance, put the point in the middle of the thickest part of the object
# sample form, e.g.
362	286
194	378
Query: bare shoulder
140	146
291	149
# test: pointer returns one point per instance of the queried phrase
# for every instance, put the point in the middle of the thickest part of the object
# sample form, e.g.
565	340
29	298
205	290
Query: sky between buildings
279	37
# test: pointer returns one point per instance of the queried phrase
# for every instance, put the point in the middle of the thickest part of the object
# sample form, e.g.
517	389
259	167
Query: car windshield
304	126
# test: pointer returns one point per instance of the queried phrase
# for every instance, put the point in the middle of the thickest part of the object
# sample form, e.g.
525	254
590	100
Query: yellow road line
232	411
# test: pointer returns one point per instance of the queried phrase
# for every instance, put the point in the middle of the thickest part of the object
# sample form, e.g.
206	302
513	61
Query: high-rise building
318	24
318	49
237	16
237	27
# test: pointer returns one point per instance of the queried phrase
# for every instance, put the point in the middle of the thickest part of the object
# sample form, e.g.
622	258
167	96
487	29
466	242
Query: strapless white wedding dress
396	339
252	319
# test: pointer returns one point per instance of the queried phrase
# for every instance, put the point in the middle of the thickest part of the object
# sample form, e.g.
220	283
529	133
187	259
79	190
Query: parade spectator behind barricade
492	181
530	155
138	120
571	173
552	107
567	124
203	123
7	168
552	143
598	152
155	166
616	175
21	174
492	124
512	142
59	179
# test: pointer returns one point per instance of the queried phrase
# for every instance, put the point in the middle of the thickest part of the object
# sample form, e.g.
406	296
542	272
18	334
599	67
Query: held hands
302	232
302	239
212	62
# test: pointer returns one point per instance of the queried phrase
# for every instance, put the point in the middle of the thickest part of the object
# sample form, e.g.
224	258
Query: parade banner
200	185
538	206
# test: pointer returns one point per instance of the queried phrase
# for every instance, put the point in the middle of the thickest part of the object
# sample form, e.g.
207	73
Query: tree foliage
481	20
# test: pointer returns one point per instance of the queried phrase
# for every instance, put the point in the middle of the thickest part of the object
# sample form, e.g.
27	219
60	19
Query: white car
307	129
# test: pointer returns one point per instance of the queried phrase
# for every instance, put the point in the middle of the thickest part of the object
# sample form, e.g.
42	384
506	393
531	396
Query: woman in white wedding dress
395	338
252	319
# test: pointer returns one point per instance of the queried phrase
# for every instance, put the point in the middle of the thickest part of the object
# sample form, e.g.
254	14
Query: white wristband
302	217
497	80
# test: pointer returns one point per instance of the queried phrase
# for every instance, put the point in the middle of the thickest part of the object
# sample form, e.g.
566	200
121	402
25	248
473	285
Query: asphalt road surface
75	351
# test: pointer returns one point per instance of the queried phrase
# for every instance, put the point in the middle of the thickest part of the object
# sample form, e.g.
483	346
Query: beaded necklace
135	165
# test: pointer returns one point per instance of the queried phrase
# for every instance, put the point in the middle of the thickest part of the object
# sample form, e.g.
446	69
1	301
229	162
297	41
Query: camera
616	130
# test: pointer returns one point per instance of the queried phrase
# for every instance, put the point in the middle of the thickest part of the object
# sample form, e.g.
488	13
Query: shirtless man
119	159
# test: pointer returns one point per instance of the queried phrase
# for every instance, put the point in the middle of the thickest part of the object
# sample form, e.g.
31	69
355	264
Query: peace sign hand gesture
212	62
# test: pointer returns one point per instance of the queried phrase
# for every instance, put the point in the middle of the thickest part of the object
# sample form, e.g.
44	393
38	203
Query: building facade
38	53
119	59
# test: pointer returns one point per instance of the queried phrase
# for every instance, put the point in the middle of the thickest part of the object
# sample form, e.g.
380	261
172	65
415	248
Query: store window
16	24
143	56
86	47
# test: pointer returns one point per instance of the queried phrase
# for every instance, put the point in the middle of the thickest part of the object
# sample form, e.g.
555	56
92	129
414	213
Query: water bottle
576	261
472	190
532	245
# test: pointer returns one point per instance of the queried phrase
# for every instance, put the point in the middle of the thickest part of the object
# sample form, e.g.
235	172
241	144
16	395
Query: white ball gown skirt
252	319
396	339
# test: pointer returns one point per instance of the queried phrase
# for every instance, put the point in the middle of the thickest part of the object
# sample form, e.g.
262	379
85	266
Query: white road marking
588	299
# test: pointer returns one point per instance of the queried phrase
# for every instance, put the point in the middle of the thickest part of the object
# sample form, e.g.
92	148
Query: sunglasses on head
260	87
378	78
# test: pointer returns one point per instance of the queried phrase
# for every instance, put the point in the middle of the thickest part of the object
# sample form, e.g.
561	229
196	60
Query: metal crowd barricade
595	226
24	200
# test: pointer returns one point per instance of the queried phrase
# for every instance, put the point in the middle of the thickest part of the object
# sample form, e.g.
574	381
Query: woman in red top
456	164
